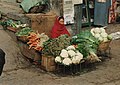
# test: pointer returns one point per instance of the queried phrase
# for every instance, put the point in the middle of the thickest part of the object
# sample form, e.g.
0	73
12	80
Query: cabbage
109	37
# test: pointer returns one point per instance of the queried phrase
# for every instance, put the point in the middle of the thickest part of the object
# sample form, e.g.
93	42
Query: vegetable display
36	40
54	46
24	32
100	34
87	44
69	56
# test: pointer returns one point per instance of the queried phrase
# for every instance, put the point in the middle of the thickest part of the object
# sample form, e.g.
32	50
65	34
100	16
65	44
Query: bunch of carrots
36	40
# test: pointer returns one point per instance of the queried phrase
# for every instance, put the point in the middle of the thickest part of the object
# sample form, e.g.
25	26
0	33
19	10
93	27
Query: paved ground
18	71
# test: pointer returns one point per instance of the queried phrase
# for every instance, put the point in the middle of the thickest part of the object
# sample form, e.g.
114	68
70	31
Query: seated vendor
59	28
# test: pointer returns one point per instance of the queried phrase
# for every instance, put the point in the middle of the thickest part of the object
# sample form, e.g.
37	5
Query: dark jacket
2	60
2	57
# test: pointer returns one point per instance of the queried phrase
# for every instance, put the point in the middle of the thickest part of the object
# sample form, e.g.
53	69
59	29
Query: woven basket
23	38
103	46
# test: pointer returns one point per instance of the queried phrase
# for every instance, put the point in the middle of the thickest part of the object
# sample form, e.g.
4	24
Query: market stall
65	54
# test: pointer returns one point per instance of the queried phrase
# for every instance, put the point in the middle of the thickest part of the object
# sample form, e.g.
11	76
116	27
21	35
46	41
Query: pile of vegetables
36	40
12	23
87	44
69	56
100	34
24	32
54	46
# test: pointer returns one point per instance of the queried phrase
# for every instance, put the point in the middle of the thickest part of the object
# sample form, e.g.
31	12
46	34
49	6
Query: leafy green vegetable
86	42
9	22
54	46
24	31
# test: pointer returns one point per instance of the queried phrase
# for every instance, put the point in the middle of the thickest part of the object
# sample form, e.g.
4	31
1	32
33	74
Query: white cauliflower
79	58
64	53
74	61
104	34
97	30
97	35
101	38
102	30
71	53
105	39
67	61
92	31
79	54
58	59
70	47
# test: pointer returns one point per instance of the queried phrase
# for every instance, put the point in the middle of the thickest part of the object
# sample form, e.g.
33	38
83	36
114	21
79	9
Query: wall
57	6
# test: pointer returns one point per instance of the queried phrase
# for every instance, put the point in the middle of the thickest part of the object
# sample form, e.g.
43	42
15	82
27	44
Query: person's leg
2	60
1	69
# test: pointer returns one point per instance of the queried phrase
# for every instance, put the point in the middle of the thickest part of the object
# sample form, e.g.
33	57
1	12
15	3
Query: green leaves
24	31
54	46
86	42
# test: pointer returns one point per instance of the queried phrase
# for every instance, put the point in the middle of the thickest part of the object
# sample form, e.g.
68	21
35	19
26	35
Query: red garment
58	29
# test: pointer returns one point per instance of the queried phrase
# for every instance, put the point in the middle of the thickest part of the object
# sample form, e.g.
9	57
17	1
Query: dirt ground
18	71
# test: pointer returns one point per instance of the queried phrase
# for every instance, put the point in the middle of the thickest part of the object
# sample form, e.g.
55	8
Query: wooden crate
29	53
48	63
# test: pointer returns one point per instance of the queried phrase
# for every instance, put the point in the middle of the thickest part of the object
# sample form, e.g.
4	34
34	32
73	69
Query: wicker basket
103	46
23	38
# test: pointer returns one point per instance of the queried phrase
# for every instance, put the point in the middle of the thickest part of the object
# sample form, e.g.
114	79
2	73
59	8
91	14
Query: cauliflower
102	30
70	47
71	53
97	35
101	38
67	61
58	59
97	30
92	31
64	53
78	58
105	39
74	61
78	53
104	34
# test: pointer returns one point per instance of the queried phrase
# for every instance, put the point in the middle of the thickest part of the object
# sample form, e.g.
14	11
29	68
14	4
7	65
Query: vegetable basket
12	29
23	38
103	46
